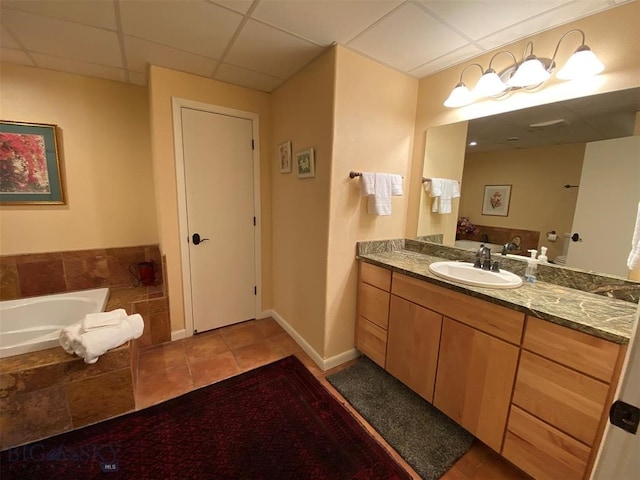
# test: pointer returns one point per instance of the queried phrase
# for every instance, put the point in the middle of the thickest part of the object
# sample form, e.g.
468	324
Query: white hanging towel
633	261
380	202
442	190
396	185
367	183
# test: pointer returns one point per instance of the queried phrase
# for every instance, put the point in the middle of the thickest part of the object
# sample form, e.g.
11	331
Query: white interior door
219	191
606	206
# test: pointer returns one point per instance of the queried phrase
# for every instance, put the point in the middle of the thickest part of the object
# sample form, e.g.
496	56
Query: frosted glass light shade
583	63
489	85
530	72
459	97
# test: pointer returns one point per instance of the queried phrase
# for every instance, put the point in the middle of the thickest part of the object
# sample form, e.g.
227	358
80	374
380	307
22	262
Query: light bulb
459	96
530	72
583	63
489	84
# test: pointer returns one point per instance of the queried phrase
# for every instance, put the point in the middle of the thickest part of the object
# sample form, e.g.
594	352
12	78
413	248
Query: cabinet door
474	380
412	345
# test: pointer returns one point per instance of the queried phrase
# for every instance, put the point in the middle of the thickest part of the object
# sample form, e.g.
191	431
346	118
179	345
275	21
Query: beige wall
104	140
303	114
613	35
374	119
538	199
443	158
163	85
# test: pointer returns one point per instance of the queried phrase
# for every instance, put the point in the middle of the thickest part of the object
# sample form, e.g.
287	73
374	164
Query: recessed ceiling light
473	143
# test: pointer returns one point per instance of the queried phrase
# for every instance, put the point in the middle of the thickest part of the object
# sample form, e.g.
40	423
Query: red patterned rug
275	422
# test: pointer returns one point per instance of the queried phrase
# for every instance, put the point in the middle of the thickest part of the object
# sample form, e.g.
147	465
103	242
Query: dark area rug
275	422
426	438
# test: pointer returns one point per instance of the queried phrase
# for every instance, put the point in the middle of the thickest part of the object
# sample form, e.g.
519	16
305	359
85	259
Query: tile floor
174	368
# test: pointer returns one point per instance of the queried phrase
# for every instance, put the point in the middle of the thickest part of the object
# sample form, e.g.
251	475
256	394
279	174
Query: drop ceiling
260	43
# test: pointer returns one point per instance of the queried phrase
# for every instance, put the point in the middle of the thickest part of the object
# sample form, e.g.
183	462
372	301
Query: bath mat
426	438
274	422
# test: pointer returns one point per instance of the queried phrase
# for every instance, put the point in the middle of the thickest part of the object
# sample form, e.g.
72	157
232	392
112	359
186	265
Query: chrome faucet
483	258
509	247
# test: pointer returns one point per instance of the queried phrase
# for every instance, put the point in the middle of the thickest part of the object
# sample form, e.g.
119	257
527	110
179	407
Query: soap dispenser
532	266
542	258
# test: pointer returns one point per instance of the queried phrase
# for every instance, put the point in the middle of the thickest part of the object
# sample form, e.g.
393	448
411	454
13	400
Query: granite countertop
608	318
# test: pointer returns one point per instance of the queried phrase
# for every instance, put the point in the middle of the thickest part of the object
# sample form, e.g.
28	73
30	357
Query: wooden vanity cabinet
373	312
412	345
565	381
477	356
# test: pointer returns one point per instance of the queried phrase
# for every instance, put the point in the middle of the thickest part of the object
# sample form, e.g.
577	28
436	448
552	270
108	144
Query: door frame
177	105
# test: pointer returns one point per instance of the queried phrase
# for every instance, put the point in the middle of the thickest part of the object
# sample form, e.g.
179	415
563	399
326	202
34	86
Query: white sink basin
465	273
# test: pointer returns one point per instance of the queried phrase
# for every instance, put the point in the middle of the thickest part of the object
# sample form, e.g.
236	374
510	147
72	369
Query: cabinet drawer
371	340
376	276
561	397
588	354
373	304
487	317
541	450
412	346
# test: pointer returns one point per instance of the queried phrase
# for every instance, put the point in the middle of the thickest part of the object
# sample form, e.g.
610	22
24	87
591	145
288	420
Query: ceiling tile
247	78
197	27
323	22
79	68
479	19
241	6
142	52
407	38
270	51
138	78
11	55
7	40
63	39
559	16
94	13
445	61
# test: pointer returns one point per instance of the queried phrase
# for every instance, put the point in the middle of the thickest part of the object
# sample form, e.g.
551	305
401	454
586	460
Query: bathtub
32	324
474	246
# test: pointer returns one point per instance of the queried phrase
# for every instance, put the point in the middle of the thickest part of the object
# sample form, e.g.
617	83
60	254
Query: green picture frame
30	164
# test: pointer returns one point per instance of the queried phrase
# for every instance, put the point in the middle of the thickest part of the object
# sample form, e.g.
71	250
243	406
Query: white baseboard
178	334
324	364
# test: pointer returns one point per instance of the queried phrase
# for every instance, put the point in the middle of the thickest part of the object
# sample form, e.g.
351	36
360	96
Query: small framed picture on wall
496	200
284	150
306	164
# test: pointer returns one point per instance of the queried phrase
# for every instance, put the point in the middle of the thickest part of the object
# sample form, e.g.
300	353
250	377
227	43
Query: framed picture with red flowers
496	200
30	166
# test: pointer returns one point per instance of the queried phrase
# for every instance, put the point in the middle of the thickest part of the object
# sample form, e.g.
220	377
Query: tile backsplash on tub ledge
35	274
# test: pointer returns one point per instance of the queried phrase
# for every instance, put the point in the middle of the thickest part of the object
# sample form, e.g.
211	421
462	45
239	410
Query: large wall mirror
571	167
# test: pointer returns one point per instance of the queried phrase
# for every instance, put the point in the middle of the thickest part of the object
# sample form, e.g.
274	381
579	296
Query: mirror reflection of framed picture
284	151
306	164
496	200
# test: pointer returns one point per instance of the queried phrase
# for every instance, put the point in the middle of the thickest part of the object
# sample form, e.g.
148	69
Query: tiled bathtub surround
600	284
36	274
49	392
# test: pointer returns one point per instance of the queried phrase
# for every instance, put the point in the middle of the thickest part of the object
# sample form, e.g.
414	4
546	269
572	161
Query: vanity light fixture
529	73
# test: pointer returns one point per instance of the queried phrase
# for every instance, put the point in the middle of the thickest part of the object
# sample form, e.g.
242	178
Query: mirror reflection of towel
442	190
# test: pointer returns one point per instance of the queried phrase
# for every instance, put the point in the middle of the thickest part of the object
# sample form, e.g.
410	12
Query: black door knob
195	238
576	237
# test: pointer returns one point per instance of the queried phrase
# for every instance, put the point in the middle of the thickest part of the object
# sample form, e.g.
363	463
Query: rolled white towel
103	319
96	342
69	336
